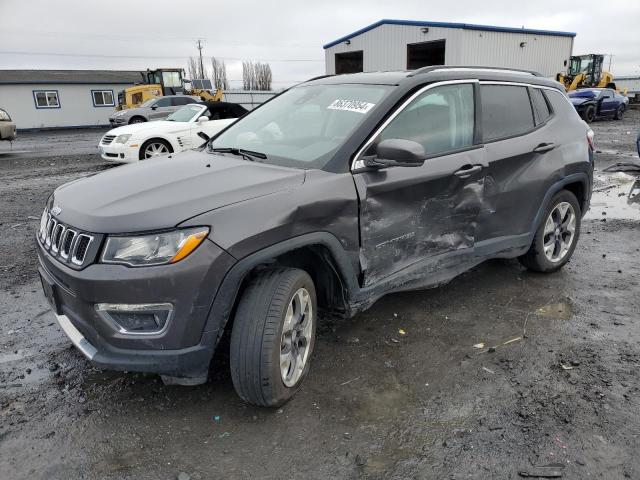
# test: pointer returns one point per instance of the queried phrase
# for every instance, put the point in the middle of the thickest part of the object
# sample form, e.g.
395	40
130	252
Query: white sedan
178	132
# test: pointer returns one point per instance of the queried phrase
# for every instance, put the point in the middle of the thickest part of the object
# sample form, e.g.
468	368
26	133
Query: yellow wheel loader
586	71
165	81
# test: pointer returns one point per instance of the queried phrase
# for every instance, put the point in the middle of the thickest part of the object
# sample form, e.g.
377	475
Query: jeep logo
56	210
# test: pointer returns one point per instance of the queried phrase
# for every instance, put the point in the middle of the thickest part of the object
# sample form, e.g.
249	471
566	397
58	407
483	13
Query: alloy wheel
296	337
559	232
155	149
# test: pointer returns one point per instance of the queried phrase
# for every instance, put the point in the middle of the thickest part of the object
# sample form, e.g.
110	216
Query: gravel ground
560	390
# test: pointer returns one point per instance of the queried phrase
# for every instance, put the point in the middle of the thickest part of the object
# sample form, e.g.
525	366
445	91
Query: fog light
137	319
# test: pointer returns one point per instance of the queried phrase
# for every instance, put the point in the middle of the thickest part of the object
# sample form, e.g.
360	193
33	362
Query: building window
102	98
46	98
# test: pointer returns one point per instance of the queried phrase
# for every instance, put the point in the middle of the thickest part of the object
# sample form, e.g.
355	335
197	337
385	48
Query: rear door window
540	105
506	111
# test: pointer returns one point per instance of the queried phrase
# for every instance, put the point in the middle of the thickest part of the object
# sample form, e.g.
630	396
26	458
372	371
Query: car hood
579	100
160	126
163	193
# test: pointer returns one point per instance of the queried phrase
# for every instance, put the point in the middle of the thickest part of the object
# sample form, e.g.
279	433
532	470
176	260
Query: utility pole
200	47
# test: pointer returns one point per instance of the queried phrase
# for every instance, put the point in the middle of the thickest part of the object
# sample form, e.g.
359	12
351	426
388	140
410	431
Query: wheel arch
577	183
157	137
320	254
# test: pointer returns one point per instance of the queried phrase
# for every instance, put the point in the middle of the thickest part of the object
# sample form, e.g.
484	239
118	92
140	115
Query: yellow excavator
165	81
586	71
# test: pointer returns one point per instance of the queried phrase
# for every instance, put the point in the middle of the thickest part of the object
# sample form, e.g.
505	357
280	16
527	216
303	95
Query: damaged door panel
412	214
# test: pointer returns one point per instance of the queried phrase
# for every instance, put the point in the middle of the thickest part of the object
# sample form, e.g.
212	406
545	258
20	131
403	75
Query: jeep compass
325	198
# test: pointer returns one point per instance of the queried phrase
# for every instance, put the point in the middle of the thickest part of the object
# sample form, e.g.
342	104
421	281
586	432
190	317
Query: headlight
156	249
122	138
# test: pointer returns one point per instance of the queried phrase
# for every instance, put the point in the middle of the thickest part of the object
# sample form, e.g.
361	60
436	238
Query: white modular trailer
249	99
41	99
629	84
408	44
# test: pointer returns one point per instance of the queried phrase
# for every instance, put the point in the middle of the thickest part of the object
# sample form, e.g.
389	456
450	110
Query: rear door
520	146
426	215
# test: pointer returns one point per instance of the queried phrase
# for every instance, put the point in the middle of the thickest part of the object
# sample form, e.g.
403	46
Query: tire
619	113
258	342
157	145
555	255
137	120
589	114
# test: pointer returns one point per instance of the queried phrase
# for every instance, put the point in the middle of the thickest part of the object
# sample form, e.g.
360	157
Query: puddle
615	195
556	311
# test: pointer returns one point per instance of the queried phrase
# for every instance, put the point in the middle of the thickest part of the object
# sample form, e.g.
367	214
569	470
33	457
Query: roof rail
434	68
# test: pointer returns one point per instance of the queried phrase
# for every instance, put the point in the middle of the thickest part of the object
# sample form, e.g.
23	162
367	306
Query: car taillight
590	136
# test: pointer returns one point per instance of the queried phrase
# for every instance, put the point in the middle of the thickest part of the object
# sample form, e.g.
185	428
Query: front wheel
590	114
557	236
620	112
154	148
273	336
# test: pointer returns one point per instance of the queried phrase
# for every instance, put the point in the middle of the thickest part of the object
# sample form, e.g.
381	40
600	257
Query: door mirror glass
396	152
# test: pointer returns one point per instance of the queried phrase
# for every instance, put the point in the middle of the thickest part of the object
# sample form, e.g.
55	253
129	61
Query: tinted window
607	94
559	103
506	111
177	101
540	105
441	120
163	102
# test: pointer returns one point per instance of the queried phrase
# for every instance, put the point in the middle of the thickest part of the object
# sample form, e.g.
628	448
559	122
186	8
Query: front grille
107	139
63	242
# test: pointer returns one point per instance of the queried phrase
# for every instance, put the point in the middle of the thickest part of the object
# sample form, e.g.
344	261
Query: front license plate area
50	293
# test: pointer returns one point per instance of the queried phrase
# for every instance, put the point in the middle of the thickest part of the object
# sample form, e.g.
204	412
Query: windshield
584	94
304	126
185	114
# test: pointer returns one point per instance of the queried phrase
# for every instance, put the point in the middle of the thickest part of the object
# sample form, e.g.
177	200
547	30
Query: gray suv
153	109
324	199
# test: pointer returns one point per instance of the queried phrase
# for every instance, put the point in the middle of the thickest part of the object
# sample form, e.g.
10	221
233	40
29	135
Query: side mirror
396	152
154	107
202	119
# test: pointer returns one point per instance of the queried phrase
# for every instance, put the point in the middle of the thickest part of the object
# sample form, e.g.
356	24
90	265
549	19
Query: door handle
544	147
467	171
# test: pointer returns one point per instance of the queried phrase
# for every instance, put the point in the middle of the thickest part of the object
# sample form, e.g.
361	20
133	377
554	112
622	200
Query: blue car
594	103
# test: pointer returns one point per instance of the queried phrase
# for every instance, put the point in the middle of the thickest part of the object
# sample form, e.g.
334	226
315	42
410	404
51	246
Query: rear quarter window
506	111
560	104
540	106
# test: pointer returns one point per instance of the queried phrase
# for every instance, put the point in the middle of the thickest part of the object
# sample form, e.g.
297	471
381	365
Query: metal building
409	44
62	98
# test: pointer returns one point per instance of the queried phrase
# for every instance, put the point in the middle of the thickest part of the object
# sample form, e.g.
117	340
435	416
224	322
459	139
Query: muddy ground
562	385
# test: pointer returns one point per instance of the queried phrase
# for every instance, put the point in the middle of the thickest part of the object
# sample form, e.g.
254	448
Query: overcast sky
140	34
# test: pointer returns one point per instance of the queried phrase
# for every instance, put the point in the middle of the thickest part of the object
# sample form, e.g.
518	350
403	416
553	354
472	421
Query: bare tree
256	76
194	70
219	74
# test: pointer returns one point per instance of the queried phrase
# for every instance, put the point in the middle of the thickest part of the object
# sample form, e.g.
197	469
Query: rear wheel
557	236
273	336
154	148
590	114
620	112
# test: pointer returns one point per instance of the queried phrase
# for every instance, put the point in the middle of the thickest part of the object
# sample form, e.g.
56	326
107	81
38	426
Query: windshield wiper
246	154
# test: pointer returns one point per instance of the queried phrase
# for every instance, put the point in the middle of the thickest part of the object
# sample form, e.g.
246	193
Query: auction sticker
351	106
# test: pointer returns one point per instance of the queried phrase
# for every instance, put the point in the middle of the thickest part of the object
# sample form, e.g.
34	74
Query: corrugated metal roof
20	77
464	26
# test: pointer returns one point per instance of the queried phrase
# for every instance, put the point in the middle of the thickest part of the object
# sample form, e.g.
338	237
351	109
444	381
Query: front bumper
118	121
183	349
119	152
8	131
